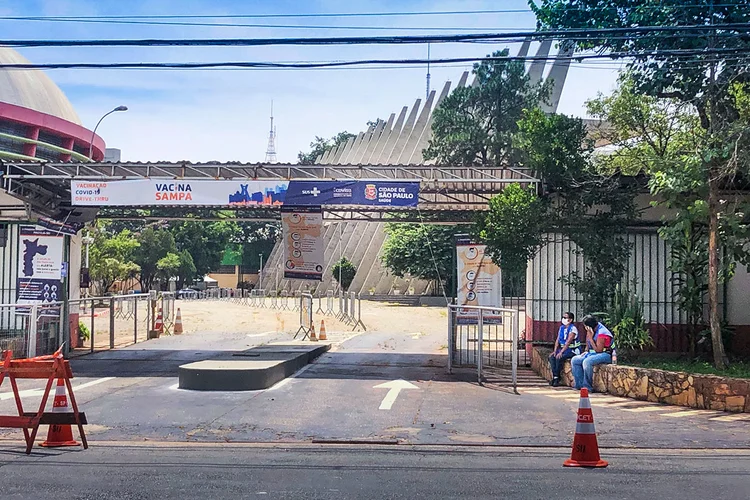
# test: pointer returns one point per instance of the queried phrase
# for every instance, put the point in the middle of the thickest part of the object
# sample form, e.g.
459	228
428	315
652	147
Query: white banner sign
168	192
479	282
303	242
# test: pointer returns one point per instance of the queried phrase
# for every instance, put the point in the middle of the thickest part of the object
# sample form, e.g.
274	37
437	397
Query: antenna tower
271	149
427	94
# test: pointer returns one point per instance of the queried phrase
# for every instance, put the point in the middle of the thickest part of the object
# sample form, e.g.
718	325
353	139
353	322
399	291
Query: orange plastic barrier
50	367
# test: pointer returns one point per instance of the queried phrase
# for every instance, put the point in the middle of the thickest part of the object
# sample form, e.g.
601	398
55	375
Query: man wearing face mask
566	346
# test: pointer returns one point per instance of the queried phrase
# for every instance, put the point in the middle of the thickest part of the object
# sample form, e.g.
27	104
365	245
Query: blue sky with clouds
224	114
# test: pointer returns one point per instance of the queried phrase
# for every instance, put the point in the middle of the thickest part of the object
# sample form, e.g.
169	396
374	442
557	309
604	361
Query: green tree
154	244
423	251
205	241
475	125
167	268
514	229
343	272
320	146
708	82
110	259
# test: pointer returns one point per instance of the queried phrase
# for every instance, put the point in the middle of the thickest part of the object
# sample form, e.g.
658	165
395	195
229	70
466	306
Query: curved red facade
26	134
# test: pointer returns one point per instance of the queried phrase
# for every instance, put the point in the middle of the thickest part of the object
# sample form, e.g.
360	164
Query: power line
394	62
348	14
382	40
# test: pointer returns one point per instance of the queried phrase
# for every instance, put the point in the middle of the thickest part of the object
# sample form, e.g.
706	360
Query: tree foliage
153	245
343	272
204	241
712	83
475	125
111	258
423	251
320	146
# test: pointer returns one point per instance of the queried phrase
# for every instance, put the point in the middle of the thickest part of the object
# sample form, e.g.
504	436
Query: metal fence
31	330
484	336
108	322
345	307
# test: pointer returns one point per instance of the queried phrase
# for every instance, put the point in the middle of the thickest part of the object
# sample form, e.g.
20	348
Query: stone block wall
708	392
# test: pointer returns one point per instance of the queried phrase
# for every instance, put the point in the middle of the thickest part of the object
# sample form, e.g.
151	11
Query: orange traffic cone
312	333
60	435
585	448
178	323
323	335
159	325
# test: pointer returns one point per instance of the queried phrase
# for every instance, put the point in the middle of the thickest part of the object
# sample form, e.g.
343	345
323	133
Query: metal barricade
330	303
483	336
297	295
305	315
168	307
356	304
284	299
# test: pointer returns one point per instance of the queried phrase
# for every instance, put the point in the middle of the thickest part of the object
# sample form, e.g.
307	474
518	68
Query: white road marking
733	418
40	392
282	383
688	413
394	388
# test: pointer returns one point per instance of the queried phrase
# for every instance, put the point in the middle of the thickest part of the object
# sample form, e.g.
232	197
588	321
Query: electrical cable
588	34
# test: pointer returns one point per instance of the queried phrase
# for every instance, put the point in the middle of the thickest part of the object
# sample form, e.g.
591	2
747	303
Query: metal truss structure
450	190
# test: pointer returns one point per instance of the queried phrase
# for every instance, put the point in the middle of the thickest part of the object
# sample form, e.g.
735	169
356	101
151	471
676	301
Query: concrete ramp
254	369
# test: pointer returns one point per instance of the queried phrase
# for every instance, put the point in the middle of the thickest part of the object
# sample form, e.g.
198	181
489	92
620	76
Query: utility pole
260	273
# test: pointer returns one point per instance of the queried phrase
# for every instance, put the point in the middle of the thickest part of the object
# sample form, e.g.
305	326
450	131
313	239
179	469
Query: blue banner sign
365	193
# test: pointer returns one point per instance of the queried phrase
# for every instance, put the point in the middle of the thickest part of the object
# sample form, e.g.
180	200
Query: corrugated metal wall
548	296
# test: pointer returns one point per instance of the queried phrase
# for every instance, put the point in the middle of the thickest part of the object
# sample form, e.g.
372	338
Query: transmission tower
271	149
427	94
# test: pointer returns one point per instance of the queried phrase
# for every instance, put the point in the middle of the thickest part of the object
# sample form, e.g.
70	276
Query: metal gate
483	336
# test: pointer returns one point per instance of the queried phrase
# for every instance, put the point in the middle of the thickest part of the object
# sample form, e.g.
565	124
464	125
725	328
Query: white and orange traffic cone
178	323
60	435
159	325
323	335
312	334
585	448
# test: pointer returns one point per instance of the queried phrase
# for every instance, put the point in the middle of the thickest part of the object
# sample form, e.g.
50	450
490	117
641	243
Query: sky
223	115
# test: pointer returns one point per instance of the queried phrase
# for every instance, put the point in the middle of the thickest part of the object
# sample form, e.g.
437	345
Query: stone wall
707	392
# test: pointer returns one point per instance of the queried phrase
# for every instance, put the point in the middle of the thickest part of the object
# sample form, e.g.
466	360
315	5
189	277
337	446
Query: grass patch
737	369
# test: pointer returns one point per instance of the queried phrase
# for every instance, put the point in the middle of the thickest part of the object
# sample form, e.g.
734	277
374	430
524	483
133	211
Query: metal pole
92	326
260	273
480	342
33	317
112	323
340	257
93	134
135	320
450	339
514	353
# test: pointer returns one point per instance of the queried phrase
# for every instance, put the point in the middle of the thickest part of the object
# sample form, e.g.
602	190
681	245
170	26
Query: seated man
566	346
600	343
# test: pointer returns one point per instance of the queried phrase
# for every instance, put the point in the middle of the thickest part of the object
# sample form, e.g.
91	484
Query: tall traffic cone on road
178	323
585	448
60	435
312	333
323	335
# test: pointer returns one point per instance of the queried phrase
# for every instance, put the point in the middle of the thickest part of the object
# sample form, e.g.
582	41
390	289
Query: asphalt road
131	395
212	471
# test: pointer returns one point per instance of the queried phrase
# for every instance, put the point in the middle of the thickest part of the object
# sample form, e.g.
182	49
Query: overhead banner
302	228
367	193
231	193
40	268
479	282
150	192
70	228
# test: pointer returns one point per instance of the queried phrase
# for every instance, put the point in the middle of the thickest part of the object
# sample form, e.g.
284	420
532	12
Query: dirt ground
200	317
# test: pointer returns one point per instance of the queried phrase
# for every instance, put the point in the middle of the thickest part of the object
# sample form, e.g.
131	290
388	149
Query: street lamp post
93	134
260	273
87	240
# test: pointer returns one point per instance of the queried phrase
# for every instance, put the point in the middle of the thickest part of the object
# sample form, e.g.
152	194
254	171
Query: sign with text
237	193
40	268
169	192
355	192
479	282
302	229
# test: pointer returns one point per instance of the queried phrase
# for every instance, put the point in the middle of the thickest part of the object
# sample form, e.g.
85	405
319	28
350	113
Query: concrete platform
254	369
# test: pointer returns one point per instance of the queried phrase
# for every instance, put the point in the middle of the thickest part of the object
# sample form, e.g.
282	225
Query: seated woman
600	343
566	346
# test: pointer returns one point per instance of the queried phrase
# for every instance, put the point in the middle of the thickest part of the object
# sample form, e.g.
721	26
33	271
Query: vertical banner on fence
479	282
303	242
40	268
